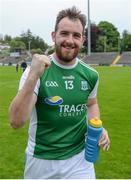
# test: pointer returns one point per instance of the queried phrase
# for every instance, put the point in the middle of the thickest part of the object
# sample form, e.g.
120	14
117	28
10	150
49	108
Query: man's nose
70	39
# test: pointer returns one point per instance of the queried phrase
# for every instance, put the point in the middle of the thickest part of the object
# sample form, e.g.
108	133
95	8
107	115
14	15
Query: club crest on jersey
84	85
54	100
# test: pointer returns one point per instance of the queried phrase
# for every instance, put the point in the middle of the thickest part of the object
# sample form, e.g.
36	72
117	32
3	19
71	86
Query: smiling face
68	39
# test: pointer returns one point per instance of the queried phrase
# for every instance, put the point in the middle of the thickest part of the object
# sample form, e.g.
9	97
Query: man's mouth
68	47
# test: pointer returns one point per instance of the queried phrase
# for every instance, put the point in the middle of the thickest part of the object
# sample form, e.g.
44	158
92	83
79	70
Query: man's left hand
104	141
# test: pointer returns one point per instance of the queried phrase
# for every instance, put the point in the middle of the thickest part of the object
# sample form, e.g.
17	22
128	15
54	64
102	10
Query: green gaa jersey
58	121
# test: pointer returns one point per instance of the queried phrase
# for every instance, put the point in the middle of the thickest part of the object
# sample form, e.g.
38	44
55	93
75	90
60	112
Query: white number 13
69	84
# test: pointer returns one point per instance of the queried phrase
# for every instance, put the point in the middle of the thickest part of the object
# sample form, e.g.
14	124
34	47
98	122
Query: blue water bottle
94	130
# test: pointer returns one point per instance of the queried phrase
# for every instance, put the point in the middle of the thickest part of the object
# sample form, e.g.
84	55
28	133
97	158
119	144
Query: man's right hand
39	64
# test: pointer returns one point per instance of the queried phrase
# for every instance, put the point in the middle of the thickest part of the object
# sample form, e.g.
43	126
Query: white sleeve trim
23	79
93	93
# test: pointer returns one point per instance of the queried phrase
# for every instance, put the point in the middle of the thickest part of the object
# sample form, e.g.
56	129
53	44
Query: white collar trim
63	66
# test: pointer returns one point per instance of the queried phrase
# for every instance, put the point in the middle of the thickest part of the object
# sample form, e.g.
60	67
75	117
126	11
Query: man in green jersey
59	93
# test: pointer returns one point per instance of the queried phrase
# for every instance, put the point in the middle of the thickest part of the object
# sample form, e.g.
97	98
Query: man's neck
62	62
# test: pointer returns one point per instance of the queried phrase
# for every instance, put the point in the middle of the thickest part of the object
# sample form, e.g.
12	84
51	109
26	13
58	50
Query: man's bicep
91	101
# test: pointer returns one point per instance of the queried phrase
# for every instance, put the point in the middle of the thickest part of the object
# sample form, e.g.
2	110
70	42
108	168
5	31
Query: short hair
73	14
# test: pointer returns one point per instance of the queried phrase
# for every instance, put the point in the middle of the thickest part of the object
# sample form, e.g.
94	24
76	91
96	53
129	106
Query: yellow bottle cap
95	122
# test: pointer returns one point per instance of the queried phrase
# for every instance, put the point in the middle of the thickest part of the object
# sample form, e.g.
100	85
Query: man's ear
53	34
84	38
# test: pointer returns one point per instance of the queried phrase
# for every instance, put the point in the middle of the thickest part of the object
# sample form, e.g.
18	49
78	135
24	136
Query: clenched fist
39	64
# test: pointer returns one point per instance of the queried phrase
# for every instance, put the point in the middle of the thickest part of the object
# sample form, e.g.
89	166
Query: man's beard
65	56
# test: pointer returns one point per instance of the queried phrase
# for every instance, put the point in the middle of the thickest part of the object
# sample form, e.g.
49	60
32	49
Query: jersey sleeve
23	79
93	93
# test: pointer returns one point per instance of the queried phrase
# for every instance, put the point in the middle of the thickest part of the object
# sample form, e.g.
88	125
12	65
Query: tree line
104	38
26	41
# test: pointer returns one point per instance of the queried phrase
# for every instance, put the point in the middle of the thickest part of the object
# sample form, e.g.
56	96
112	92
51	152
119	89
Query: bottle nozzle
95	122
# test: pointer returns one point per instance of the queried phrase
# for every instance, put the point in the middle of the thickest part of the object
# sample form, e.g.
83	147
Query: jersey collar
63	66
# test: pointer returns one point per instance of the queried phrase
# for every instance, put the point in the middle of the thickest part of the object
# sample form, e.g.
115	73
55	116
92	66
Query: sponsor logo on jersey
54	100
72	110
84	85
68	77
51	84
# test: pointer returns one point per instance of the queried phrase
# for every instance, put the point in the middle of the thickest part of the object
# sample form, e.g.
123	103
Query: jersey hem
62	158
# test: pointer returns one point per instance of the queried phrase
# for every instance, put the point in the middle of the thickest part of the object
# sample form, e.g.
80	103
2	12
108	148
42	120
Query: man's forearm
23	103
93	111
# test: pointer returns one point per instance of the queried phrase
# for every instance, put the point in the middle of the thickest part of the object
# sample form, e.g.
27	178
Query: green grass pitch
114	97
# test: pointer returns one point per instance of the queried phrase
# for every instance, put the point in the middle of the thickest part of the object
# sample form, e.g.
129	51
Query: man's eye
77	35
64	33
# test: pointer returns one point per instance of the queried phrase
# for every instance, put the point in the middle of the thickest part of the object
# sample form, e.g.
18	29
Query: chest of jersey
67	83
64	91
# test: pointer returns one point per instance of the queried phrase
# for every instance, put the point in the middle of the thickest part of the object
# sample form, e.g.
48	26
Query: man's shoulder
87	67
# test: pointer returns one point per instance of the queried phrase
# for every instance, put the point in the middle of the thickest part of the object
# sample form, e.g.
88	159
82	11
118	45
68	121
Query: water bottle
94	130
